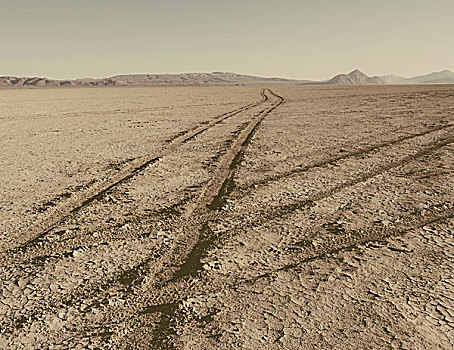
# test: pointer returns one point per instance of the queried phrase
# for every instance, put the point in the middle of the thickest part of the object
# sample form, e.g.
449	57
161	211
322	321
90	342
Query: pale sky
302	39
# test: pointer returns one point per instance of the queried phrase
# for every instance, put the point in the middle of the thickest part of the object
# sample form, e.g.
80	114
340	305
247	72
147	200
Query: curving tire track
208	210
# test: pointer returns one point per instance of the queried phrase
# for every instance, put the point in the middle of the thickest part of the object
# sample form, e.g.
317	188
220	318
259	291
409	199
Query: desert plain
227	217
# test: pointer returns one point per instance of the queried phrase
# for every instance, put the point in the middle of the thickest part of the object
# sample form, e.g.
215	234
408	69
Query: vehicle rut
361	152
308	201
192	265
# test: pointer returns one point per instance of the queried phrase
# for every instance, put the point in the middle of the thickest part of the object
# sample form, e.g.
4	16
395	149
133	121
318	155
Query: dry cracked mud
282	217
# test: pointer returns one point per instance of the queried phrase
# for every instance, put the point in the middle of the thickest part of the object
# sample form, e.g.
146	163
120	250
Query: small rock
4	309
22	282
53	287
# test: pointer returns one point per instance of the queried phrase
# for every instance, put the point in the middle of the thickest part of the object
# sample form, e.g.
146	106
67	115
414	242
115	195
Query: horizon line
213	72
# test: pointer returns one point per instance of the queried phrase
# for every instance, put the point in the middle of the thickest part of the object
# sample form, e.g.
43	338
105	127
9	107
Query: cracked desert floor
280	217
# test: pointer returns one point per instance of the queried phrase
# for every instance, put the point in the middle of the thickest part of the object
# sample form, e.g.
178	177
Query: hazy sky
306	39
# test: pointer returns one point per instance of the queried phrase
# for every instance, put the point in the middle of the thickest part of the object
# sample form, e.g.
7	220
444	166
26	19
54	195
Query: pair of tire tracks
207	210
199	213
242	140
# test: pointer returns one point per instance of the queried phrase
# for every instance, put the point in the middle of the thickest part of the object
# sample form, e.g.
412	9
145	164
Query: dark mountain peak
353	78
357	72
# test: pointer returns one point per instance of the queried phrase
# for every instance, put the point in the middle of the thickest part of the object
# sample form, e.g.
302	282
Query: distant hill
443	77
355	77
359	78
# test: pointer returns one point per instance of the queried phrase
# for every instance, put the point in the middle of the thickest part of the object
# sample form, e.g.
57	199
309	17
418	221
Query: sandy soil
227	218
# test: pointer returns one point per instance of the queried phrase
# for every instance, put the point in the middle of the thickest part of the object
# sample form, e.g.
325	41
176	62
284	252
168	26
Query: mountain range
355	77
184	79
359	78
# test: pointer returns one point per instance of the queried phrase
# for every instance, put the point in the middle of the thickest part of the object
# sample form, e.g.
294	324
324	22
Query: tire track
361	152
192	265
287	209
217	192
211	198
206	210
78	202
355	240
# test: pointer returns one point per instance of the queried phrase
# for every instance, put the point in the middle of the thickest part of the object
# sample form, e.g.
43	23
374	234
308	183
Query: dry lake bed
279	217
